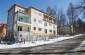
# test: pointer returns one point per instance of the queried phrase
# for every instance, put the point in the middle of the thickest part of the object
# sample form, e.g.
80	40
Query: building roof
28	8
16	5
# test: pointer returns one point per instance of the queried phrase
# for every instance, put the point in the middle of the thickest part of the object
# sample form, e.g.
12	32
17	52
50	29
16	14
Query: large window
19	28
45	30
34	28
40	29
20	19
34	20
40	14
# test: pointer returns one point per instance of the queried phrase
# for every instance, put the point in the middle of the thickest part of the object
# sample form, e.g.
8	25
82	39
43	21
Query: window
34	28
20	19
34	20
34	12
39	29
50	30
54	32
19	28
20	10
53	26
45	30
40	21
28	29
40	14
50	24
45	23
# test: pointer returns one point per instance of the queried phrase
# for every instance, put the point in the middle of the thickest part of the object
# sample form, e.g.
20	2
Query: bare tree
61	21
79	23
51	11
71	12
80	7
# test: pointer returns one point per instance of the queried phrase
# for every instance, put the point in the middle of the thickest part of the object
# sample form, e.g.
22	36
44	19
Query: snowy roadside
36	43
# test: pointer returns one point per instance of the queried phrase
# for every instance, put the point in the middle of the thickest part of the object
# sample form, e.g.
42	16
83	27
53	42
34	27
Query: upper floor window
20	10
45	23
40	14
39	29
34	28
50	24
34	12
34	20
40	21
53	26
45	30
19	28
20	19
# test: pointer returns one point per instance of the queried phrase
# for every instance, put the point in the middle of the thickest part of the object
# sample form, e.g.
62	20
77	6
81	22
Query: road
64	47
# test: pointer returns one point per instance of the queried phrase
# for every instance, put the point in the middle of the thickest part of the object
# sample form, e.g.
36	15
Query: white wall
35	14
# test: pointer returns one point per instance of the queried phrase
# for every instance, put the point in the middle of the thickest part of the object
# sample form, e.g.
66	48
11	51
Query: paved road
59	48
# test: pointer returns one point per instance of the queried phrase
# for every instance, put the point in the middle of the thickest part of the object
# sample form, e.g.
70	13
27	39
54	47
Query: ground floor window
45	30
50	30
19	28
34	28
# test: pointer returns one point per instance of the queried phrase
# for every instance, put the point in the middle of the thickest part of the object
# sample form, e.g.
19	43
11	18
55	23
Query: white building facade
24	21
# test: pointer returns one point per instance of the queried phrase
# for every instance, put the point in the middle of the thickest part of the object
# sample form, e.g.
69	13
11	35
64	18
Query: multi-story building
2	30
22	21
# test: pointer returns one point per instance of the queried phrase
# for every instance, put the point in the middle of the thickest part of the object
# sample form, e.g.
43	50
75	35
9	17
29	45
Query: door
28	29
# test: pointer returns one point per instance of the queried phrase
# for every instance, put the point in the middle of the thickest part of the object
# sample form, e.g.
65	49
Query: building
66	30
24	21
2	30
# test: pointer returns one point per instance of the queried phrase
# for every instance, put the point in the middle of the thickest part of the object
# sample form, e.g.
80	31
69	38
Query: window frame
34	20
34	28
19	28
39	21
39	29
50	30
45	23
45	30
50	24
40	14
20	19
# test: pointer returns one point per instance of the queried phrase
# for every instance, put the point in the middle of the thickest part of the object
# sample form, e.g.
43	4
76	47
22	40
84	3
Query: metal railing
31	37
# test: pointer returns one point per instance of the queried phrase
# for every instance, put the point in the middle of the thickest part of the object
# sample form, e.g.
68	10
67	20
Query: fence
31	37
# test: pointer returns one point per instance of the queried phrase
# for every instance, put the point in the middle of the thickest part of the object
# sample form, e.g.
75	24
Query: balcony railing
25	17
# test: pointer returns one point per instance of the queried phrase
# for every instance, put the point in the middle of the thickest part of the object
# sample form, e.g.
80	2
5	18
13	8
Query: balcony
22	17
49	19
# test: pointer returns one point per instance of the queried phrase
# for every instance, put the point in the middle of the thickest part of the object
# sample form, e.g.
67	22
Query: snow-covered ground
36	43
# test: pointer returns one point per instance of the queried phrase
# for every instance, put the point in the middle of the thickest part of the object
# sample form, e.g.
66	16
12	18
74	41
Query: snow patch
36	43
